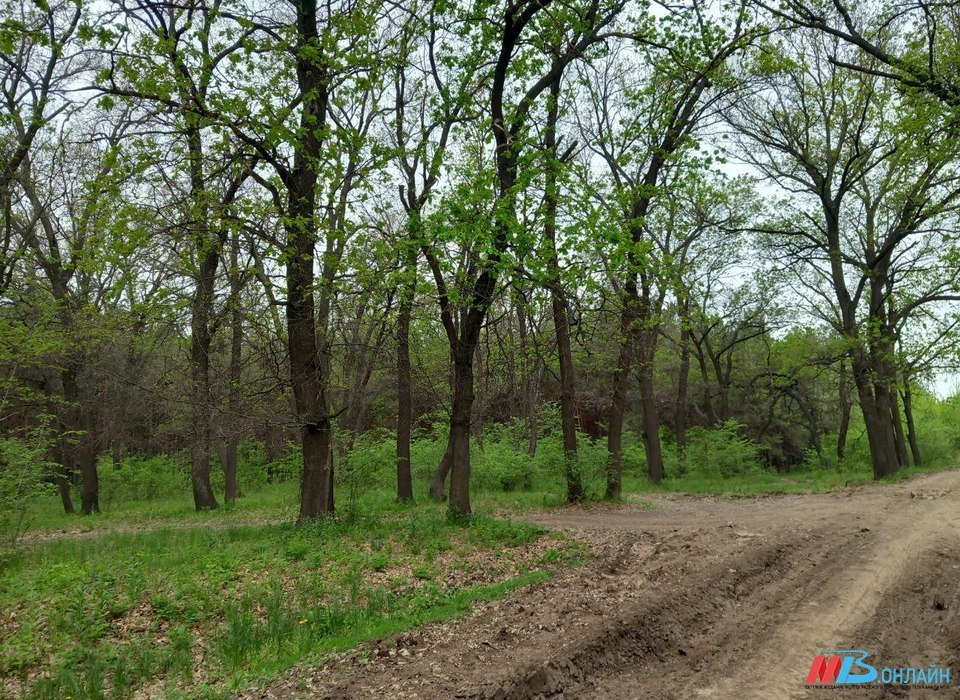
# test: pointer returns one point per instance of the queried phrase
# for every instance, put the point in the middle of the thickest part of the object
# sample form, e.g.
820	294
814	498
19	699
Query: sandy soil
697	598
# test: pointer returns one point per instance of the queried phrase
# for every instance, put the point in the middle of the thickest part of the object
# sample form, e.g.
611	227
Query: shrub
144	479
24	478
720	452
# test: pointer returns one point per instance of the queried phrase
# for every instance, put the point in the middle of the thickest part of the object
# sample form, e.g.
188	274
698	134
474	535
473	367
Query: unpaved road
698	598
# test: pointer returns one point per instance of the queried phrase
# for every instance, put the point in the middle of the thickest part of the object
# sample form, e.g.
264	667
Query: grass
152	597
206	607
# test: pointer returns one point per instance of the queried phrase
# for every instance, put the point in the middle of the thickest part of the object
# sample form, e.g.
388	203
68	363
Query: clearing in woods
697	598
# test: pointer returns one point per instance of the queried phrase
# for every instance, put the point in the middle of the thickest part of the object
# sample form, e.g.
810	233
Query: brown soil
697	598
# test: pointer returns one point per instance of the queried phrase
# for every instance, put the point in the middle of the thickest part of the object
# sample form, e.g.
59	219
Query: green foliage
143	479
24	478
714	453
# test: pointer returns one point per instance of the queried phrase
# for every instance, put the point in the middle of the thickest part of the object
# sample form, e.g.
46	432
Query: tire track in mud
632	654
681	603
831	614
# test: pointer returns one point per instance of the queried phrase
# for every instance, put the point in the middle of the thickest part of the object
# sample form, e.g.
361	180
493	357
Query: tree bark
236	358
63	489
876	417
618	400
683	383
404	400
316	483
911	428
651	416
844	412
439	479
898	428
83	453
559	305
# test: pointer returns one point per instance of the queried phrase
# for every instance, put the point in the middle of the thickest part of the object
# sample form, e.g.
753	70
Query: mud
697	598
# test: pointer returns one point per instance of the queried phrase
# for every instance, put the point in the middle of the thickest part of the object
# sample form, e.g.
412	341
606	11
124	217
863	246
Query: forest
353	256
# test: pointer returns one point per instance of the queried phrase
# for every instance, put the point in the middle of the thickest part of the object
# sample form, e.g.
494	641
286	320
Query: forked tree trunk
876	417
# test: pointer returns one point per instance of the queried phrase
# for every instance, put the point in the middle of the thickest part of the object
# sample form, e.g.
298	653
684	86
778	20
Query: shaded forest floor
661	596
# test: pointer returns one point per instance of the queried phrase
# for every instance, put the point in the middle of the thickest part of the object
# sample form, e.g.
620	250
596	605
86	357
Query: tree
644	115
872	180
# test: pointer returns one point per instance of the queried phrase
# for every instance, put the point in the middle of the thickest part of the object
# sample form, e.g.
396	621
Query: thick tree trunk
876	417
911	427
404	400
316	483
82	454
459	448
308	393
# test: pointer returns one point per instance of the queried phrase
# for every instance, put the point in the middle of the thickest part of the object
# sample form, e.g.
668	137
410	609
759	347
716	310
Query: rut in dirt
680	596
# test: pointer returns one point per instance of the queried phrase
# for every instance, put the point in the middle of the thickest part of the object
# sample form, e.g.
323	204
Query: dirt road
699	598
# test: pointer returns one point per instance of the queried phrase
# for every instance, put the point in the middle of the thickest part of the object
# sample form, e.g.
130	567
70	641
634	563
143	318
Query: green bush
24	478
143	479
721	452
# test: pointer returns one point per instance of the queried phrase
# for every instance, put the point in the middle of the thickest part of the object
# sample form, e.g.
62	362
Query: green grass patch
210	607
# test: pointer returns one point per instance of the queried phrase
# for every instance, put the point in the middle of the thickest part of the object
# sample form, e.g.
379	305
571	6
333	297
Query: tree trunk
308	393
439	479
683	383
560	307
82	455
63	488
876	417
568	393
316	483
844	412
207	250
236	366
911	427
529	382
200	339
404	400
459	449
618	401
898	428
89	481
651	417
